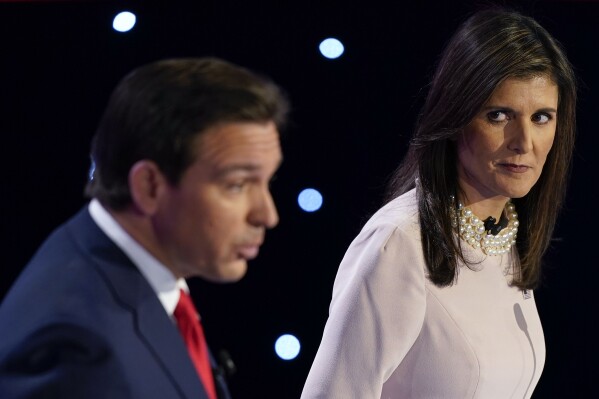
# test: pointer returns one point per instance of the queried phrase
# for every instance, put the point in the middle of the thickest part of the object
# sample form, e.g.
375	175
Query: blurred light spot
309	200
287	347
124	21
331	48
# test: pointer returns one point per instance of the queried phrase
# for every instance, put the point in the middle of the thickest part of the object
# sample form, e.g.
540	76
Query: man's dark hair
157	111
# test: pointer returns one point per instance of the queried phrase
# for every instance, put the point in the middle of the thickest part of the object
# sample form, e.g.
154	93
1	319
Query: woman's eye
541	119
497	116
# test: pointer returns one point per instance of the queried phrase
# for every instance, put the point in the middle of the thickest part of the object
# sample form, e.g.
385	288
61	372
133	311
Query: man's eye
235	186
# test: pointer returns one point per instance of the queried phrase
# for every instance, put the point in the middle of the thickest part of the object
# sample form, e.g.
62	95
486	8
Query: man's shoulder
62	281
64	242
59	260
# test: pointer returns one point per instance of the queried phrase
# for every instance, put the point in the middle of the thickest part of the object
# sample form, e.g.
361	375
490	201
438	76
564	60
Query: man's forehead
239	146
237	134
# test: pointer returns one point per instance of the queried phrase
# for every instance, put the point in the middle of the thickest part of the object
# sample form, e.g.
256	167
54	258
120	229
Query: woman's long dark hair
488	48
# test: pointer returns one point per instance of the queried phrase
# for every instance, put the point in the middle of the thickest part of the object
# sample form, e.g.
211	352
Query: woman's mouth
514	168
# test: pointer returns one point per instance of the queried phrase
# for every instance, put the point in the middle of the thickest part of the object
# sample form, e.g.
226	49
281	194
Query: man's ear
146	184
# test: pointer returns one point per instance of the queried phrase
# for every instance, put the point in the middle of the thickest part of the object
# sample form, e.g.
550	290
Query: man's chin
229	272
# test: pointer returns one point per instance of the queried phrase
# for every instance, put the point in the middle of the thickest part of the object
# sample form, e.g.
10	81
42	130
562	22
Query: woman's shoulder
400	213
396	222
388	244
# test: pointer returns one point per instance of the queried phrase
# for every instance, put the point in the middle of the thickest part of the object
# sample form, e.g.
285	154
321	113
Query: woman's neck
483	208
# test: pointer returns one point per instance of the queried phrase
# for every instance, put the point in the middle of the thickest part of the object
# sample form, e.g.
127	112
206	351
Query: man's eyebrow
247	167
242	167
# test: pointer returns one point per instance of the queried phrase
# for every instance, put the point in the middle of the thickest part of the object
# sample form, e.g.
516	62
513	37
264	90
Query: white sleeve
376	314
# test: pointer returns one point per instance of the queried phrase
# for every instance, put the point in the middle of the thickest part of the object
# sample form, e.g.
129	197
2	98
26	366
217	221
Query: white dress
392	333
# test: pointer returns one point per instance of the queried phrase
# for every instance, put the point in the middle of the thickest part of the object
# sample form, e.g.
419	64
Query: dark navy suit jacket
82	322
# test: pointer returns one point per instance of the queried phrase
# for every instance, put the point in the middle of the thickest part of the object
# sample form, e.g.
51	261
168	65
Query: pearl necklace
472	230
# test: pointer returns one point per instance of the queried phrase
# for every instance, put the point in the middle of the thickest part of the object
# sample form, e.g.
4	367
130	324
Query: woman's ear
146	185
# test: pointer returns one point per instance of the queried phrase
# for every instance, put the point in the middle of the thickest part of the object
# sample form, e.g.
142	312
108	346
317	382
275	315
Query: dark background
351	121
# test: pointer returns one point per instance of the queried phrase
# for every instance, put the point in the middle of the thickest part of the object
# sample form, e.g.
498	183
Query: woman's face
502	151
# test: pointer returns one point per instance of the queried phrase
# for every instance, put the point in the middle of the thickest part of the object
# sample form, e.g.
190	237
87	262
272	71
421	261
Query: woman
433	298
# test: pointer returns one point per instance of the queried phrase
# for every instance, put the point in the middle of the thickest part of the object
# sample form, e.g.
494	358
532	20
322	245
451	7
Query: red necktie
193	334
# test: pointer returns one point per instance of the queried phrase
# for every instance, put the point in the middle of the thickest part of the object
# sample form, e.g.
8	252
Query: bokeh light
331	48
309	200
124	21
287	347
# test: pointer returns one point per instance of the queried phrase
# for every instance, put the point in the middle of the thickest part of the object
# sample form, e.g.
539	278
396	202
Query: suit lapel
154	327
163	339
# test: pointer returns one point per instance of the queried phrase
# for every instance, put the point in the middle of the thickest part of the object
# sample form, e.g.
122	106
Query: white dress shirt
161	279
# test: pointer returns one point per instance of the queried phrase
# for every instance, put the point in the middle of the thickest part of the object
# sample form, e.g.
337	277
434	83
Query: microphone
226	367
521	320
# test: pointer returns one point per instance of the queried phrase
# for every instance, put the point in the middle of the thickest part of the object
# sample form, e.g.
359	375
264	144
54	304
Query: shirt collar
161	279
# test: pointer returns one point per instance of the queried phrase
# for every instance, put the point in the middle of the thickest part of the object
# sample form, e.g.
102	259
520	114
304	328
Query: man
183	158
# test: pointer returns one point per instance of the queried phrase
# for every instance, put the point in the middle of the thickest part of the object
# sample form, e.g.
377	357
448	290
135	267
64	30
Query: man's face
214	220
